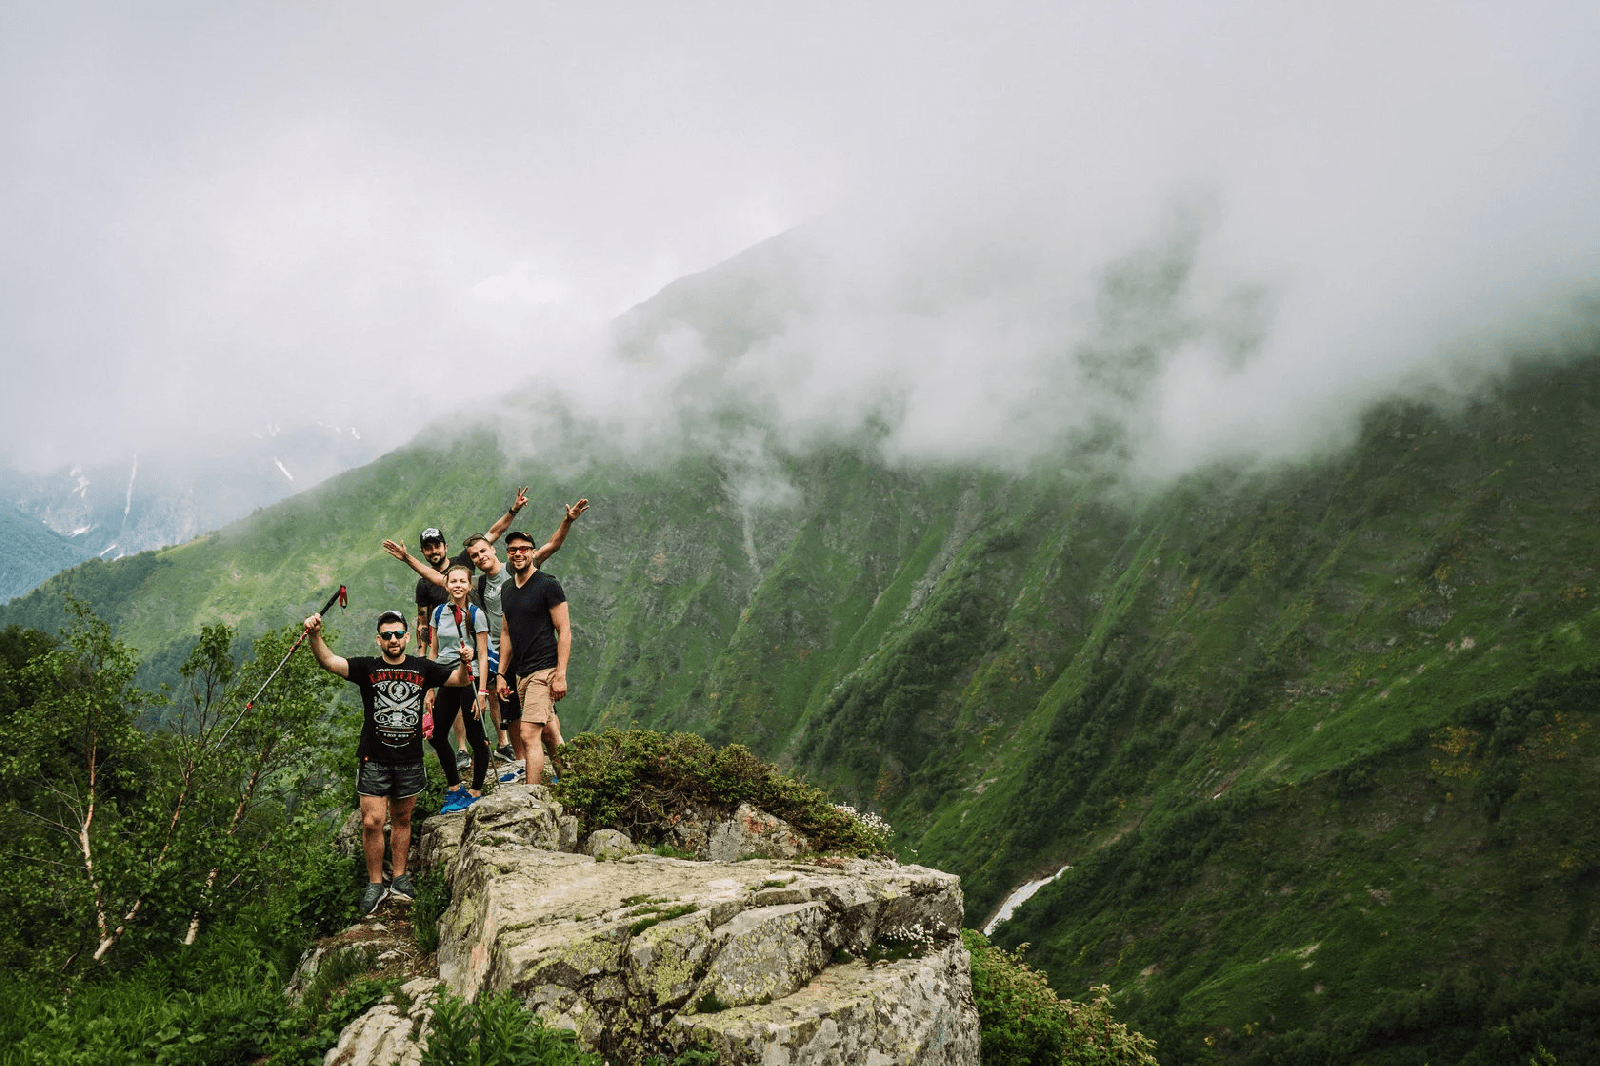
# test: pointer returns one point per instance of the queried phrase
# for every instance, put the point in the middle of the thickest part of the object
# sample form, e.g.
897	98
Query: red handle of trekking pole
342	596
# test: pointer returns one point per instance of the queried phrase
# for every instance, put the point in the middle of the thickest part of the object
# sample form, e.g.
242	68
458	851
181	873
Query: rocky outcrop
388	1033
792	961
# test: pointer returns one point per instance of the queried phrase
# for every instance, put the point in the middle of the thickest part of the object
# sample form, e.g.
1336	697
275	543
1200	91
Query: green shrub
433	897
639	781
496	1031
1023	1023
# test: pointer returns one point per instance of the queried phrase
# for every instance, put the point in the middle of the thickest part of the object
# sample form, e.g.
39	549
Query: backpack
472	629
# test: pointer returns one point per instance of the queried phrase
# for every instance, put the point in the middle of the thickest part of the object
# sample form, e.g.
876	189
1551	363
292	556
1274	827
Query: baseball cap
432	534
392	616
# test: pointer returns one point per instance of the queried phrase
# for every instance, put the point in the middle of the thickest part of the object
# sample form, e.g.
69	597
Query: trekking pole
343	598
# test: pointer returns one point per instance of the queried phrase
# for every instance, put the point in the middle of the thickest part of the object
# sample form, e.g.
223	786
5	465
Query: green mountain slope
31	552
1310	740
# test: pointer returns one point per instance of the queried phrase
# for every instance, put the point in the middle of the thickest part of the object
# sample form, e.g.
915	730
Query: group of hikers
499	648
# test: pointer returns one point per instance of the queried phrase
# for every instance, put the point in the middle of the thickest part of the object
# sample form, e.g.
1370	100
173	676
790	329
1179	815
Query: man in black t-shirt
391	774
535	642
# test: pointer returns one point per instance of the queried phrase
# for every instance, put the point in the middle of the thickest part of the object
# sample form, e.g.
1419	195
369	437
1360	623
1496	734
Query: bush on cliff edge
640	780
1024	1023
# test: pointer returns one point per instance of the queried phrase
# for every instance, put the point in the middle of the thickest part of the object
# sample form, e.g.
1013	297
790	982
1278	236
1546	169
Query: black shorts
510	708
393	780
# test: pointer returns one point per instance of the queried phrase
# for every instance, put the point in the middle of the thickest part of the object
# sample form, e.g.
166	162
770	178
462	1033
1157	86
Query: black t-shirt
430	595
391	699
527	612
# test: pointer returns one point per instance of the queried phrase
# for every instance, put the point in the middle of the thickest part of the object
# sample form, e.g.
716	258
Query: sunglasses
519	549
393	634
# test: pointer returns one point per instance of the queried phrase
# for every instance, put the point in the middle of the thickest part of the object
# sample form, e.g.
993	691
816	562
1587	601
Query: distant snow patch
283	468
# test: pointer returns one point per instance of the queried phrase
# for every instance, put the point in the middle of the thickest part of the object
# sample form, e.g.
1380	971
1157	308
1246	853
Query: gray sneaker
404	888
374	896
505	754
463	759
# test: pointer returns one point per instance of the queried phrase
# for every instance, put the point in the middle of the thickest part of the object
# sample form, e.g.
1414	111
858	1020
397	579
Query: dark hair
392	616
477	537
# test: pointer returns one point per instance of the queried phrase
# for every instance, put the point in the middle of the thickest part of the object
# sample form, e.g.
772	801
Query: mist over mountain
109	510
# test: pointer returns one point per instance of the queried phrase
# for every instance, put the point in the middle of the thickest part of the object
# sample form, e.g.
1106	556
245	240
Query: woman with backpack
454	623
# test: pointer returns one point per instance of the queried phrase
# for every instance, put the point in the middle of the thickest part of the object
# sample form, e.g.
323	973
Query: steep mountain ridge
32	552
1257	714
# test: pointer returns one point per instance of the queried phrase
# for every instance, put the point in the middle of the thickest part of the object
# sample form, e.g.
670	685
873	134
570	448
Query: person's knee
401	819
372	820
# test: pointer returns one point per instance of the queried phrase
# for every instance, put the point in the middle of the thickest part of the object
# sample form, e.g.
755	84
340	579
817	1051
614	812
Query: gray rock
513	814
386	1035
380	1037
914	1012
648	954
752	832
604	844
621	952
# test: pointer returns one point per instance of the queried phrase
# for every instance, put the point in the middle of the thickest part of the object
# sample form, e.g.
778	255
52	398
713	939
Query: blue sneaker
513	775
456	799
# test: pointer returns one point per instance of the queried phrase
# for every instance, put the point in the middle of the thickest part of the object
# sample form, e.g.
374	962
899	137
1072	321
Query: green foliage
709	1004
433	899
1023	1023
640	781
116	836
221	1003
495	1030
658	915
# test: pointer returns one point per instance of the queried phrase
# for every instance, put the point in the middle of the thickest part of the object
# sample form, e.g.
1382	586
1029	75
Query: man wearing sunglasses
391	773
535	643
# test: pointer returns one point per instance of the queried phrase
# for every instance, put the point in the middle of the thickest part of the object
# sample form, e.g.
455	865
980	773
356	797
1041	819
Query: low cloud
1136	238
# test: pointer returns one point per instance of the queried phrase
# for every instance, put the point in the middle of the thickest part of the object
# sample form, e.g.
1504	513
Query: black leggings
448	702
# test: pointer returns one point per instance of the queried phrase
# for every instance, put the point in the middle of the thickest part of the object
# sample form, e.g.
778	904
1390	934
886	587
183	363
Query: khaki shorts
533	692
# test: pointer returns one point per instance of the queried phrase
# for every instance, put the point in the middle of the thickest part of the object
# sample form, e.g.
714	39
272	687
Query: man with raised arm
480	552
535	644
391	774
430	589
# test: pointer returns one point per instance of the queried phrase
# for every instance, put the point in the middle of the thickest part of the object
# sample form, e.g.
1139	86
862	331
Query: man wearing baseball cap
430	593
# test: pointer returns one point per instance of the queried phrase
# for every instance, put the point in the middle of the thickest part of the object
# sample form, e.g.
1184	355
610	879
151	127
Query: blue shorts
393	780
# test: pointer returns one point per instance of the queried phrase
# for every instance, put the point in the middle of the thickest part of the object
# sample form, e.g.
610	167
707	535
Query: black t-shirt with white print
391	701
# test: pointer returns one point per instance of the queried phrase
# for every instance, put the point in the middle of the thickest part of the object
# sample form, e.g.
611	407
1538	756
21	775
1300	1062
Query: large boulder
844	962
652	954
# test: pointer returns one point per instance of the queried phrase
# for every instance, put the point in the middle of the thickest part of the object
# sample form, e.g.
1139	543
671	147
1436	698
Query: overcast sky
219	217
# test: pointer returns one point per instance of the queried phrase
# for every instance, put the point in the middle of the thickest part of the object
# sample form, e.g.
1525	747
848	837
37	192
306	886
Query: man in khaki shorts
535	641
